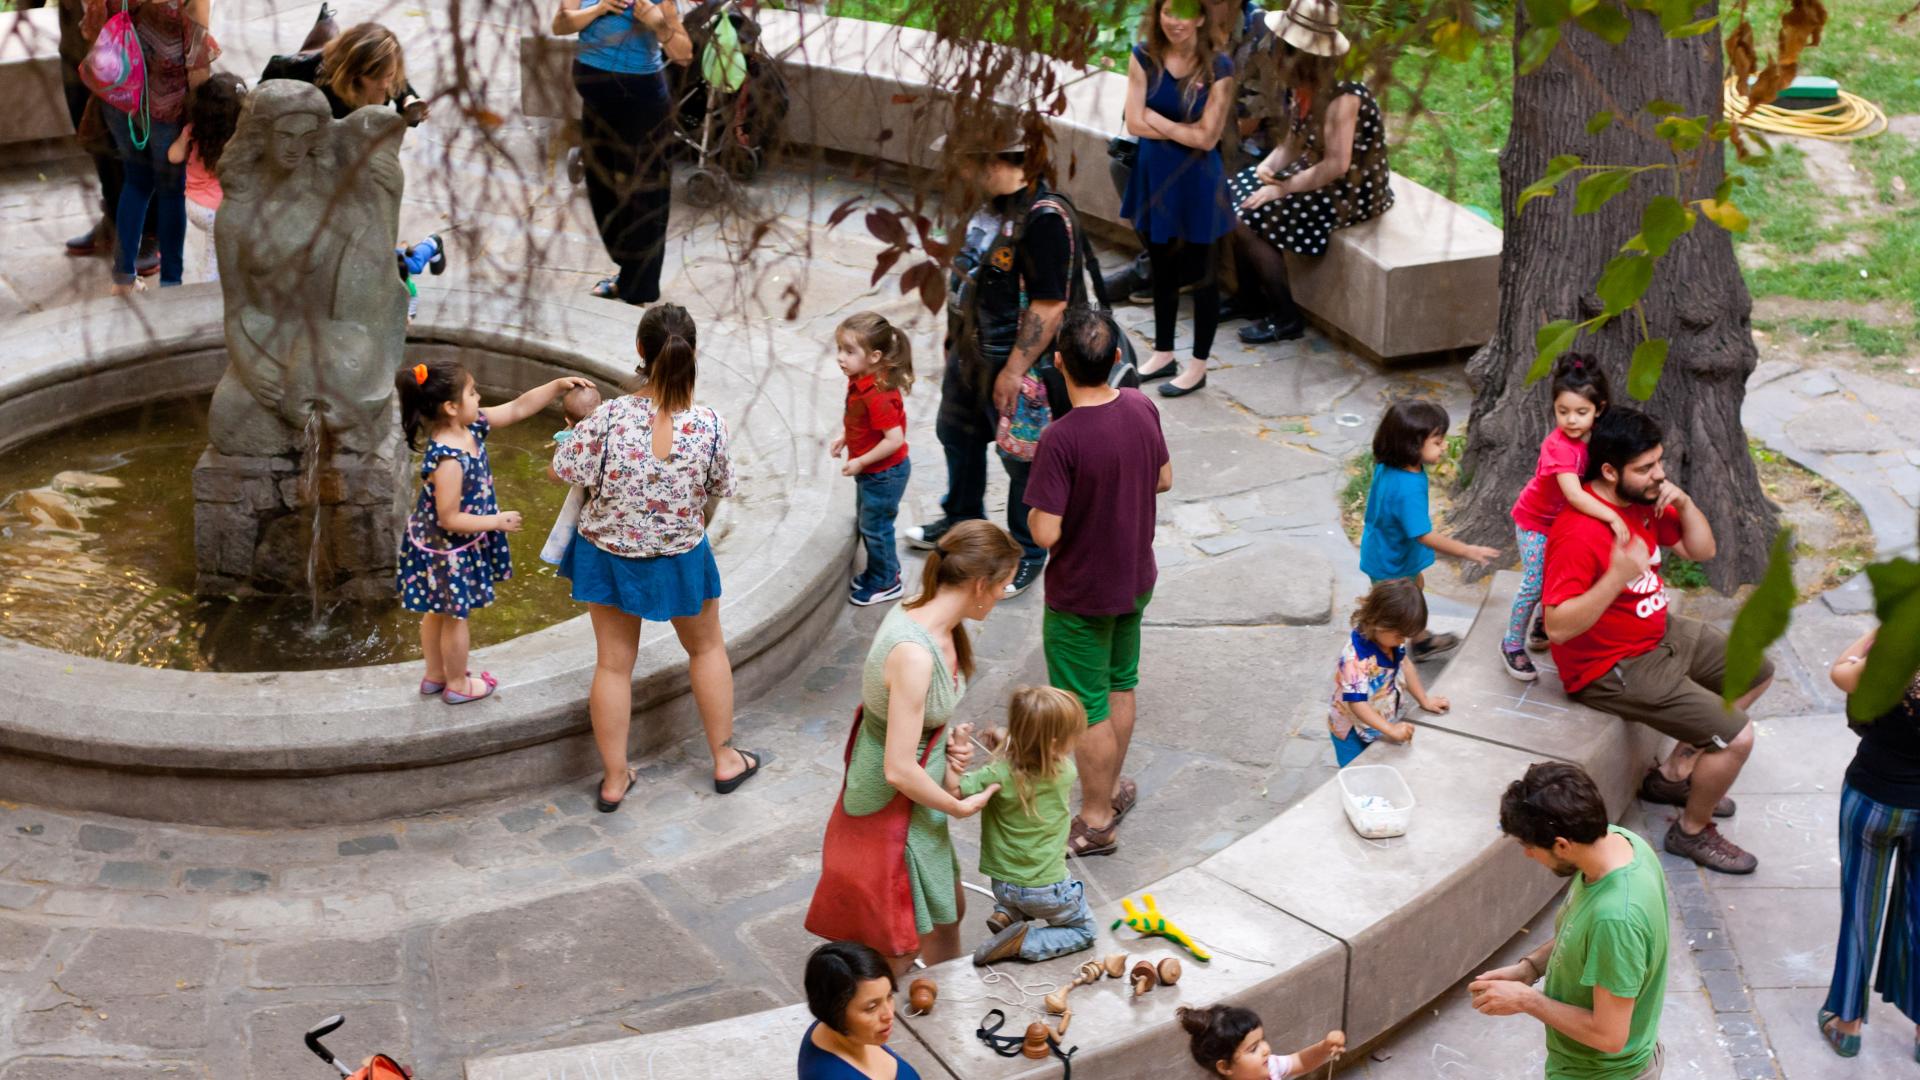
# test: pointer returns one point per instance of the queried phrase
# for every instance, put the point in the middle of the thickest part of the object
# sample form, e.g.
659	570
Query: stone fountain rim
96	713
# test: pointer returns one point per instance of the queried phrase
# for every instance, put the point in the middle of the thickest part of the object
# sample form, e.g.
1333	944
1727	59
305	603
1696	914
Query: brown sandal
1125	794
1086	842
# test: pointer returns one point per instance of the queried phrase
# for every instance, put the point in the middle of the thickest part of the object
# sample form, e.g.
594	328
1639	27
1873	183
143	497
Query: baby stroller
378	1067
730	104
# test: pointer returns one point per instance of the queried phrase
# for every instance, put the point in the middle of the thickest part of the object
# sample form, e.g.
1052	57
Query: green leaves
1606	22
1662	222
1599	121
1597	189
1643	374
1549	342
1762	619
1557	170
1896	649
1624	282
1724	214
1663	107
1682	134
1454	40
1535	46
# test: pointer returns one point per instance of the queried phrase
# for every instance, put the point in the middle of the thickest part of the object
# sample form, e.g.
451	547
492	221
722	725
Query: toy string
1027	992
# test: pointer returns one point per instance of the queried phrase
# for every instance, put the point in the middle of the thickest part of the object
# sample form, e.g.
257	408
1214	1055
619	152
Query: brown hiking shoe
1004	945
1711	850
998	921
1658	789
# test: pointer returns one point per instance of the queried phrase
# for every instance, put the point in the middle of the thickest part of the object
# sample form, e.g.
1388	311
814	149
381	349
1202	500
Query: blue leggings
1533	570
1876	857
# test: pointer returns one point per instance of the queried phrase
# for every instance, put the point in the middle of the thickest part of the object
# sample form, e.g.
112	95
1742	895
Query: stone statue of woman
316	316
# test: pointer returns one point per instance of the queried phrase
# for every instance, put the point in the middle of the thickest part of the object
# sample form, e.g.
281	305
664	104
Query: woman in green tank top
915	676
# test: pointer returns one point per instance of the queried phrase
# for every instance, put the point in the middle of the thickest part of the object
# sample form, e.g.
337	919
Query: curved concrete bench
1425	277
356	744
1330	930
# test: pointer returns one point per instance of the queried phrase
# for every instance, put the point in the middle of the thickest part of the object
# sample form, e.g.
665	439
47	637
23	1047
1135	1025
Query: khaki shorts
1674	688
1654	1064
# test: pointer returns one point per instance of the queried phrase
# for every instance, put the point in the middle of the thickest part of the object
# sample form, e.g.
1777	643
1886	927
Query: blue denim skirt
656	589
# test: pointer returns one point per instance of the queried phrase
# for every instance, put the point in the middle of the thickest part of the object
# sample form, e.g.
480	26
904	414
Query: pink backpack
116	71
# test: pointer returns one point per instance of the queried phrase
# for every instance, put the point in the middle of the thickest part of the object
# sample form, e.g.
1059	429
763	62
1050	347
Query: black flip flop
601	804
726	787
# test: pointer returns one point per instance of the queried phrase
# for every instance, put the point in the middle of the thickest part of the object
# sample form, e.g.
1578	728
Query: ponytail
970	552
869	331
424	390
667	339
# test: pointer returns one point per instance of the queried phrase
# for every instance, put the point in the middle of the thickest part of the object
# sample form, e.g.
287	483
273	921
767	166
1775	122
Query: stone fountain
304	485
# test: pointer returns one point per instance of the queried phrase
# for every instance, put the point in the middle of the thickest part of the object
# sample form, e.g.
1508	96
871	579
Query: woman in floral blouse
641	551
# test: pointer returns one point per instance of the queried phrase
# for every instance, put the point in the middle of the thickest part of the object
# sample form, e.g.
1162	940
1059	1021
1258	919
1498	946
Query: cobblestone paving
533	921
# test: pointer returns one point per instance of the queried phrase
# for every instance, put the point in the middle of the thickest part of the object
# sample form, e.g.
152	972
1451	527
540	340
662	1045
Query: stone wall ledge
360	743
1423	278
1331	930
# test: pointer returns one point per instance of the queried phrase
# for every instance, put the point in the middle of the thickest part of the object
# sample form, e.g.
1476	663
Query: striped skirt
1871	835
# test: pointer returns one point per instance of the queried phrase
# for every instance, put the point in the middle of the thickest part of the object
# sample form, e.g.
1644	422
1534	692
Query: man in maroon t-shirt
1097	475
1620	651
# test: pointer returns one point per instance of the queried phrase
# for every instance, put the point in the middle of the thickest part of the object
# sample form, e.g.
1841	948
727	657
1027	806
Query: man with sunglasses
1605	968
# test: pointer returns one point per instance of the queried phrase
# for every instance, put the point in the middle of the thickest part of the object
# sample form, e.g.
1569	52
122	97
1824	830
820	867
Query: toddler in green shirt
1039	911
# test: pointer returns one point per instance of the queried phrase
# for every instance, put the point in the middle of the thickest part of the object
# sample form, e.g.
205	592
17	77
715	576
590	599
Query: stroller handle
319	1031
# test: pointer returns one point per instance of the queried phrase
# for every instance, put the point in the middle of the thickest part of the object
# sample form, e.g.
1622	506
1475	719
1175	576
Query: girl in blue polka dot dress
456	545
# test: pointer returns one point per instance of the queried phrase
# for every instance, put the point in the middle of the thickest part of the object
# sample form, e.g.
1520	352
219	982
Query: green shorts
1091	656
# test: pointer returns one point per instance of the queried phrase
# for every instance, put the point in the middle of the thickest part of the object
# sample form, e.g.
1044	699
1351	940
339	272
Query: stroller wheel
705	188
743	164
576	166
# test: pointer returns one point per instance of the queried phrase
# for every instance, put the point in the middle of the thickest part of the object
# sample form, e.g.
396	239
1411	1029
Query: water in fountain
313	461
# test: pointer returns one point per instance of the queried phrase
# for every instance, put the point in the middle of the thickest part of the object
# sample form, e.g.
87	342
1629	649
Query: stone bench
1330	930
30	77
1422	278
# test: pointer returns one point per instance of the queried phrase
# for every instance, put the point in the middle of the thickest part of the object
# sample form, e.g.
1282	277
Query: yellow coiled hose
1854	117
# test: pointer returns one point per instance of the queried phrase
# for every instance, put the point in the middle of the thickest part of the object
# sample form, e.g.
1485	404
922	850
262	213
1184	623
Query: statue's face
294	137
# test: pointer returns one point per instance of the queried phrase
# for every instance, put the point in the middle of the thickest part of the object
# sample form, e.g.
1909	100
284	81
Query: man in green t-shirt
1606	966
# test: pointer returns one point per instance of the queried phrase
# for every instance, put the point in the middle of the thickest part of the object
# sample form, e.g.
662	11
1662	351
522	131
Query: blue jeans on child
153	185
878	496
1062	907
416	257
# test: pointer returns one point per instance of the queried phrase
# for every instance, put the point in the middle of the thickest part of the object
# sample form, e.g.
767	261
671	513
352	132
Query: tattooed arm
1037	326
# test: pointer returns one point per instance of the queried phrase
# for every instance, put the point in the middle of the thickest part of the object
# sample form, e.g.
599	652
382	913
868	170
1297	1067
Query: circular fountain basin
360	743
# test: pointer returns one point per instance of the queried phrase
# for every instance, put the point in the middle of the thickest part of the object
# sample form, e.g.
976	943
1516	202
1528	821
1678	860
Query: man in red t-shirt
1620	651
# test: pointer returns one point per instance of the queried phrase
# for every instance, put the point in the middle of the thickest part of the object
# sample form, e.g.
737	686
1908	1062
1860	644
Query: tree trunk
1551	259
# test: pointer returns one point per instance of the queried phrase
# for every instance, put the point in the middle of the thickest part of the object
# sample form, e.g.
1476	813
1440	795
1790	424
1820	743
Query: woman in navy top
626	124
850	993
1179	91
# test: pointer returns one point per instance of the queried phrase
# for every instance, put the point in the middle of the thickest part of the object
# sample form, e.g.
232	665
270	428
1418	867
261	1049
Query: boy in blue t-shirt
1366	686
1398	539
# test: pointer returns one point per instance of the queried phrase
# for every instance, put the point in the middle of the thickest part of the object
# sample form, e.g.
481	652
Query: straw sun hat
1312	26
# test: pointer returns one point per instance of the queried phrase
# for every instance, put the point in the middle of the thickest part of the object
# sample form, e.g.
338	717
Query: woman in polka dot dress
455	546
1330	173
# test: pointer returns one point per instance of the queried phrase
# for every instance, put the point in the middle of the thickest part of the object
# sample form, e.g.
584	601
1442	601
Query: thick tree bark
1551	259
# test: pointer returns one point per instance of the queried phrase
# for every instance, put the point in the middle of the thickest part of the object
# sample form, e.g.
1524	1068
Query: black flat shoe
1267	331
601	804
1171	369
726	787
1172	390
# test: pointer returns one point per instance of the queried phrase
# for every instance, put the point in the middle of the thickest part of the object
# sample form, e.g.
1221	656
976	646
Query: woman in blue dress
850	993
1179	92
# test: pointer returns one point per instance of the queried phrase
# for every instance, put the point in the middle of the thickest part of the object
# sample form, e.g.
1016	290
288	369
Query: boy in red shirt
1618	649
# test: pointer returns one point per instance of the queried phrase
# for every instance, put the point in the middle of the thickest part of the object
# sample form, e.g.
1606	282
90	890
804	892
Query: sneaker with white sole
867	596
1518	665
1537	637
1024	578
926	537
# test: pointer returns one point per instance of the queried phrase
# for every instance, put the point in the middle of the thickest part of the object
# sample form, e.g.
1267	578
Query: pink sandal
428	687
454	698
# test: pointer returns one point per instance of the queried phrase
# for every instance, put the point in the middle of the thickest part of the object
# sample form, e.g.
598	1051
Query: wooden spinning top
1143	977
1169	971
1036	1045
922	993
1115	965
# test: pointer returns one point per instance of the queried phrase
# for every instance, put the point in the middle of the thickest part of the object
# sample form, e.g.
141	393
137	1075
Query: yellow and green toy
1154	924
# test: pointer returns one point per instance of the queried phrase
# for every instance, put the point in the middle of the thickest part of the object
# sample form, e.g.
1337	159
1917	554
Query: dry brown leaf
1740	52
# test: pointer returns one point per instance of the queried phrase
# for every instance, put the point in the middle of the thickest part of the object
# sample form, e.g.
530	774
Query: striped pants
1871	834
